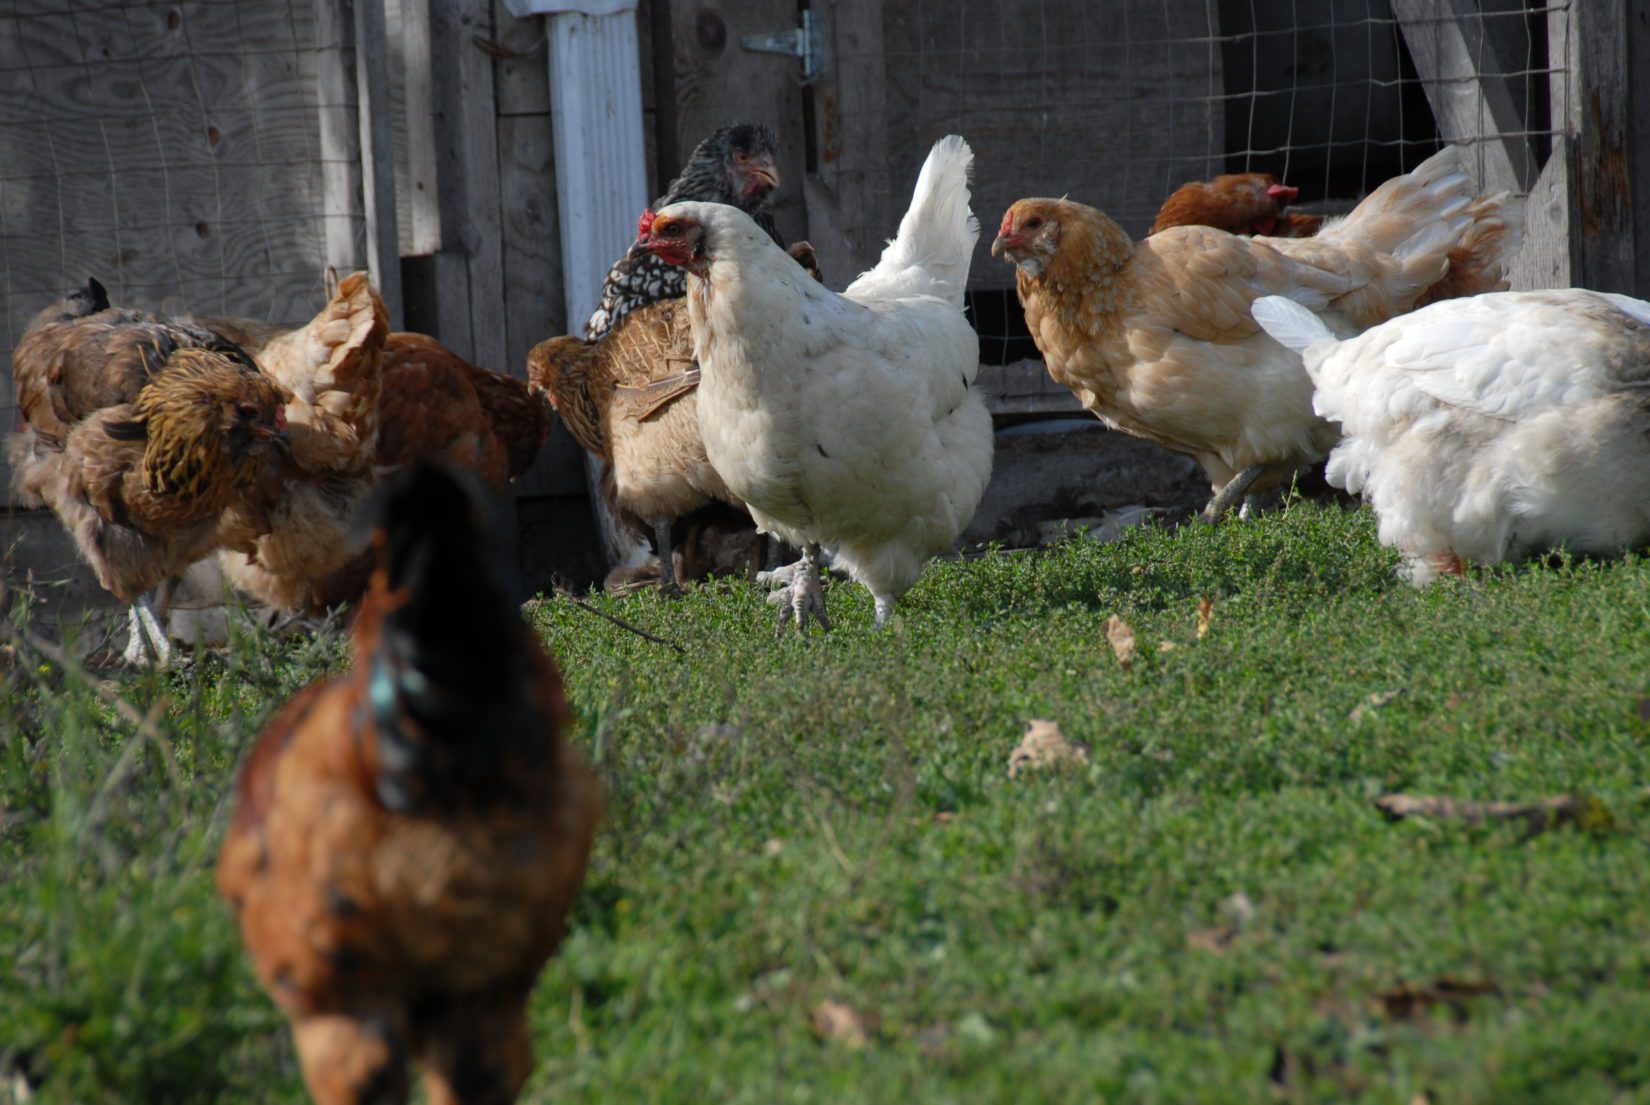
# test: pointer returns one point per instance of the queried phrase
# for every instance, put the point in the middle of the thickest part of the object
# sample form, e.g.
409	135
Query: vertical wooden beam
1607	155
1551	248
847	194
340	143
1467	87
480	224
372	89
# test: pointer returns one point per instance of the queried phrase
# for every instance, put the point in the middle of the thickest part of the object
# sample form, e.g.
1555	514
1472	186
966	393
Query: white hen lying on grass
1491	427
846	421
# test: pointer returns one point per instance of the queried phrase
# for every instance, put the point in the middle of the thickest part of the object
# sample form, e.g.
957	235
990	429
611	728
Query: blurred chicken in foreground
409	836
1238	203
139	433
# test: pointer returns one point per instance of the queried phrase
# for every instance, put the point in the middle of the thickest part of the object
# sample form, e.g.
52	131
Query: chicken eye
247	411
741	157
1034	222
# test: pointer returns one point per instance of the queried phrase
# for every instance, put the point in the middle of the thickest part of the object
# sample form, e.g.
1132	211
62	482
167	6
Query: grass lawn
1211	909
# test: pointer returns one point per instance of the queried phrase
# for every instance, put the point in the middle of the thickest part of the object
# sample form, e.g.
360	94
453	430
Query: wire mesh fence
1118	102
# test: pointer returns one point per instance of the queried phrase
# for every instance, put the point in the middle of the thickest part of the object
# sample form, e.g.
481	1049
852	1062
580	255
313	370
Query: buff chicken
1238	203
1156	338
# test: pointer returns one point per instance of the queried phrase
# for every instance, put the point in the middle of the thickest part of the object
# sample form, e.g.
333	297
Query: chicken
735	165
330	371
629	401
436	405
1238	203
409	836
844	421
1491	427
1155	337
139	432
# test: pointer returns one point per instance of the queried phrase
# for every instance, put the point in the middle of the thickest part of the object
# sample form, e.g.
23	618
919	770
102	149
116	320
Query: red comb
280	416
1283	192
1008	223
645	223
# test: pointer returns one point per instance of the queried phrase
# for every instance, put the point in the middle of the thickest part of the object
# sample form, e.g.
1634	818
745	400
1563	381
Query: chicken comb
645	223
1008	223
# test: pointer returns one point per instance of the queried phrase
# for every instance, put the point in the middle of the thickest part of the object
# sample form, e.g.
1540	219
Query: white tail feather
1289	324
931	253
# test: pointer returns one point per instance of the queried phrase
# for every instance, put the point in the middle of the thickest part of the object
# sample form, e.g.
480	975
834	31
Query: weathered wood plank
1545	259
420	21
521	80
341	209
479	226
847	196
372	90
1465	83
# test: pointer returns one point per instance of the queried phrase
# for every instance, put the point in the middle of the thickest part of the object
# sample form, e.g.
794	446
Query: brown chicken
1156	337
629	400
329	369
139	434
409	836
436	405
1238	203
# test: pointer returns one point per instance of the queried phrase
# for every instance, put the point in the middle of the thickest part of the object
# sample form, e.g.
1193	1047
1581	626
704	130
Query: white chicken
1490	427
846	421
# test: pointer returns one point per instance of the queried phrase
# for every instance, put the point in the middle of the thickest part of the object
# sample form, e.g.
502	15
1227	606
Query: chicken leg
667	558
805	598
1231	492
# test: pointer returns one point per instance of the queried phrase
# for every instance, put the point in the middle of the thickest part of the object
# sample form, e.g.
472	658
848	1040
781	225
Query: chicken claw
805	598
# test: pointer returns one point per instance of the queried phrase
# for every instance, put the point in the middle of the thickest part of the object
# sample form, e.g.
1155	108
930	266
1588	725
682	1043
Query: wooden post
1608	46
1467	88
340	143
848	192
372	88
1548	259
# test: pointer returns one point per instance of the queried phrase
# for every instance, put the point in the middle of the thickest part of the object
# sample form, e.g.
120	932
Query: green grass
797	821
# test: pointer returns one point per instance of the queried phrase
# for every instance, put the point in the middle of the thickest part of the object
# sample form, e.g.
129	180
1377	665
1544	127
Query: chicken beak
761	172
1005	242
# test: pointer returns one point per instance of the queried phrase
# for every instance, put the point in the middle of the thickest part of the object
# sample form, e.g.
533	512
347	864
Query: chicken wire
171	150
1118	102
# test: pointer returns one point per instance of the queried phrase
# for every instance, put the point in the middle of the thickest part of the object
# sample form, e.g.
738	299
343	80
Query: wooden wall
170	150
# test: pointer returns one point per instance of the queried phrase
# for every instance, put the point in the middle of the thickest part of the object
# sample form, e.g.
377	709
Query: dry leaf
772	846
834	1021
1408	1001
1166	646
1205	611
1043	746
1373	702
1121	638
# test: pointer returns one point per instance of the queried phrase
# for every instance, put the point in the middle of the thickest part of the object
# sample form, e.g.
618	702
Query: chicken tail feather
931	253
449	675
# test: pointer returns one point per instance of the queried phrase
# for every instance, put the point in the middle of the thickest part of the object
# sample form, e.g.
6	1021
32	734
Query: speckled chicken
139	433
409	836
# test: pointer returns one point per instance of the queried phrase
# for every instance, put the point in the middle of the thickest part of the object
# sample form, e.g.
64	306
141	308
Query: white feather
1502	424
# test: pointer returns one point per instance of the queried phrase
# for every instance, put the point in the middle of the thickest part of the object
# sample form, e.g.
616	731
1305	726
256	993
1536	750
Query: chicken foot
805	597
1231	492
145	621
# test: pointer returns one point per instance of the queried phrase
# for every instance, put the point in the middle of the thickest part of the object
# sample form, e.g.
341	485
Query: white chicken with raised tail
1487	428
846	421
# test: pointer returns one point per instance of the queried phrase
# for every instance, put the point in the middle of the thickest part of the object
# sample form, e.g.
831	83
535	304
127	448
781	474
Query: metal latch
798	42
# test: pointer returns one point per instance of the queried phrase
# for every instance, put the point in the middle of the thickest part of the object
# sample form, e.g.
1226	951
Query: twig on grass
584	604
1582	810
